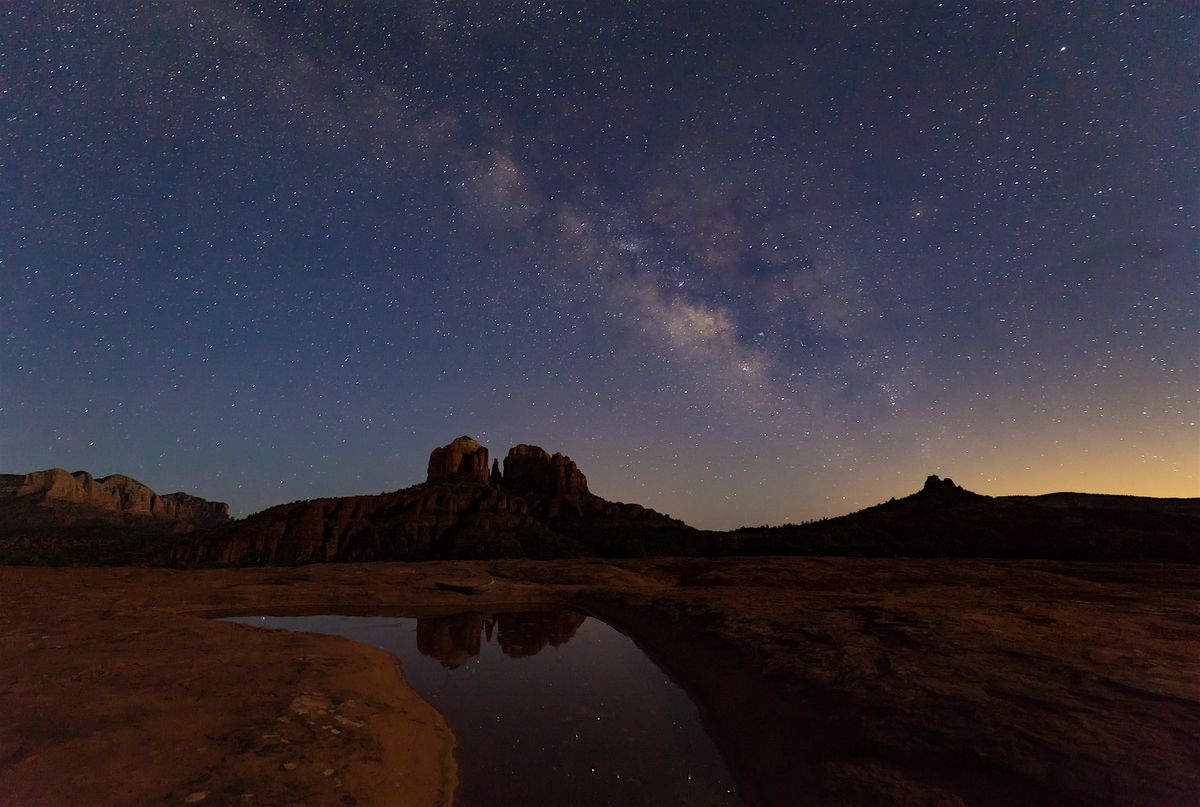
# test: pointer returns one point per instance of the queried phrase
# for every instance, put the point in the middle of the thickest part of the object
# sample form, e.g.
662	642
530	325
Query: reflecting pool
549	707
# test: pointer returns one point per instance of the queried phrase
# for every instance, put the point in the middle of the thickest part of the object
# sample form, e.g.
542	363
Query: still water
549	708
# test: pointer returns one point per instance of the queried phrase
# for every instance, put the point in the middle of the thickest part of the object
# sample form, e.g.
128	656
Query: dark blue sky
745	263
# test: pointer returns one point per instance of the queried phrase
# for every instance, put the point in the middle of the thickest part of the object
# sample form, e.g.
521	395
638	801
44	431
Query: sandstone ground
822	680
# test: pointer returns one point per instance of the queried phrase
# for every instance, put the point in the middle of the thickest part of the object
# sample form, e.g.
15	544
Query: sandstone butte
539	506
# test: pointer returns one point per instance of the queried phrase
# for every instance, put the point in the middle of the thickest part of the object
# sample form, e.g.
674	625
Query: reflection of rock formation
454	639
450	639
527	633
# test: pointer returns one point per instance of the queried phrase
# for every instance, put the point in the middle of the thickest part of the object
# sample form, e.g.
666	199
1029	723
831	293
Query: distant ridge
115	497
55	516
945	520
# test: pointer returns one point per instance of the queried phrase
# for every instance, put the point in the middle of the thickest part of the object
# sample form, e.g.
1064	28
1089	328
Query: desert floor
822	680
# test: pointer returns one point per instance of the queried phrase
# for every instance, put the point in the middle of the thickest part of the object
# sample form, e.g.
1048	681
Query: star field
745	263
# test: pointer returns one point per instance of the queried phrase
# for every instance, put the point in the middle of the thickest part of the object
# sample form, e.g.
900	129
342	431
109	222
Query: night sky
745	262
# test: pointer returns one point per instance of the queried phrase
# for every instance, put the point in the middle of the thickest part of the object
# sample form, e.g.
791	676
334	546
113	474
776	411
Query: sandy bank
119	686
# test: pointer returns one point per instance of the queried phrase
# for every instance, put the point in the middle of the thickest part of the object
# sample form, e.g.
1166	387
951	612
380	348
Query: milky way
745	263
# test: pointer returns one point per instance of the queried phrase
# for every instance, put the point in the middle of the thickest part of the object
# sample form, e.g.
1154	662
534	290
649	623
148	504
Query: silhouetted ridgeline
944	520
539	506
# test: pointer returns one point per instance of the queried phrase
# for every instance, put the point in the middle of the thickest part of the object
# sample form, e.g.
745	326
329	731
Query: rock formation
940	487
531	469
527	633
463	459
196	511
538	507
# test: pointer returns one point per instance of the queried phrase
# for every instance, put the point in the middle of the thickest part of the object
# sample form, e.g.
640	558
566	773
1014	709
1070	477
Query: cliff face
56	497
445	519
539	507
196	511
